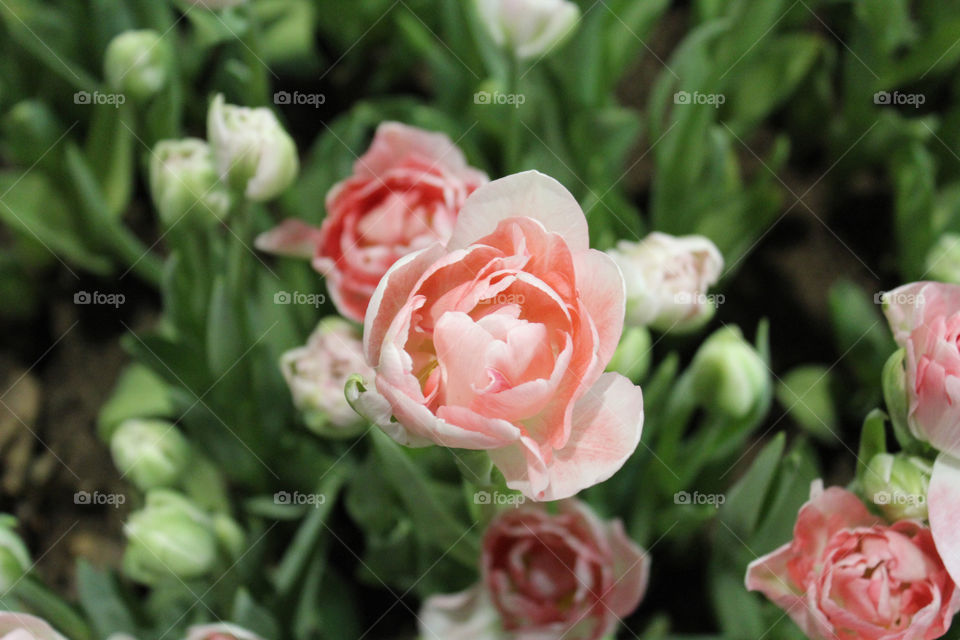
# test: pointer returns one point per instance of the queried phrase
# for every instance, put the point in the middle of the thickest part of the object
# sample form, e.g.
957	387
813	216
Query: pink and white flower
404	195
21	626
848	575
498	341
566	575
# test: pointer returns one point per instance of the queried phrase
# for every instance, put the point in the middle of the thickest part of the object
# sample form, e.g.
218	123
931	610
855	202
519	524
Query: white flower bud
253	152
729	376
184	181
667	279
528	28
318	371
152	453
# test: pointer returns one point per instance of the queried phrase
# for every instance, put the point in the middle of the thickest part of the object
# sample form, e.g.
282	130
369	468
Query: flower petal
529	194
468	615
603	293
943	501
292	237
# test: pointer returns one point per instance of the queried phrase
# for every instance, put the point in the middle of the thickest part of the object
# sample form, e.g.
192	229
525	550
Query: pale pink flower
220	631
498	341
404	195
847	575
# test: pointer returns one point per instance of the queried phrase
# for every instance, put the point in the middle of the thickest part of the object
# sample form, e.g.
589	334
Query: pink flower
925	319
20	626
317	372
404	194
568	575
498	341
847	575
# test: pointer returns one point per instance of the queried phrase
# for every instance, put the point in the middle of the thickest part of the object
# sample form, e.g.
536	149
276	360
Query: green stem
51	608
259	83
511	145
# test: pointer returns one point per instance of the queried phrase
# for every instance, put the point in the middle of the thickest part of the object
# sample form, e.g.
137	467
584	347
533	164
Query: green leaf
741	512
433	523
873	440
103	602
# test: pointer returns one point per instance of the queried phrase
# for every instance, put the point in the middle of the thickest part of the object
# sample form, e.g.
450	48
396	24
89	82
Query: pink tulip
568	575
404	195
498	341
925	318
847	575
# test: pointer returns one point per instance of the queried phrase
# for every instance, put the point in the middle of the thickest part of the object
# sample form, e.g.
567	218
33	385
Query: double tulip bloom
566	575
498	339
404	195
848	575
925	318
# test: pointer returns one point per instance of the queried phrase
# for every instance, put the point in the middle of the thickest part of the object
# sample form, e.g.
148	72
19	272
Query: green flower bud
152	453
29	129
184	181
943	260
230	535
729	376
898	485
633	354
138	63
253	152
14	557
170	538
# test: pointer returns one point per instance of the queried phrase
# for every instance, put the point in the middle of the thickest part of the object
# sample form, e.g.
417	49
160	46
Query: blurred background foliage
818	184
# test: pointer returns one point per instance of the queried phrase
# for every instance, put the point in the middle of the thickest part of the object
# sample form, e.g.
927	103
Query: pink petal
631	572
292	237
603	293
607	422
391	295
394	142
943	501
529	194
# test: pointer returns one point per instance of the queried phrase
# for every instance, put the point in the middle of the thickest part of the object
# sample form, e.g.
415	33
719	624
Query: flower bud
153	453
729	376
28	130
633	354
14	557
184	180
169	538
253	152
943	260
667	280
318	372
528	28
137	63
898	484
